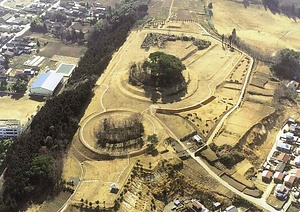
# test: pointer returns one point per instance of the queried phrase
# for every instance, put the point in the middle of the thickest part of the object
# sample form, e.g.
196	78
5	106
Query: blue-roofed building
45	84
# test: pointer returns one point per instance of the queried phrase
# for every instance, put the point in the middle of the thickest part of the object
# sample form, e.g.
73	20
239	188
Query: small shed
197	139
297	161
177	203
114	188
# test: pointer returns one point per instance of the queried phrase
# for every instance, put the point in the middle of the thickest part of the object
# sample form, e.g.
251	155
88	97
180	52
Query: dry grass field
98	177
22	108
258	27
241	121
111	94
258	104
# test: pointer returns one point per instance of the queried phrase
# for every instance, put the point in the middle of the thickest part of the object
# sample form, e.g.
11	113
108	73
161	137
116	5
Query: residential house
267	176
5	28
296	173
281	192
296	161
280	167
295	128
283	157
283	147
231	209
196	206
9	54
278	177
289	180
6	17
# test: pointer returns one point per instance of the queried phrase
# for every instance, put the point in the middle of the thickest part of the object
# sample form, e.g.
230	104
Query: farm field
259	32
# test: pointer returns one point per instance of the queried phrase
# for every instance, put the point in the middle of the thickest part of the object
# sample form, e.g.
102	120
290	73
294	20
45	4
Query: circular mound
165	95
94	124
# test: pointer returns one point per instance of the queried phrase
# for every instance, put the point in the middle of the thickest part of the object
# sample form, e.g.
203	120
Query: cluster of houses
14	48
18	46
14	19
34	7
194	205
284	166
77	10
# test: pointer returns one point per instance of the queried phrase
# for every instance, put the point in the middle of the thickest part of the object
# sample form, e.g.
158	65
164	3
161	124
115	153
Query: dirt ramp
185	109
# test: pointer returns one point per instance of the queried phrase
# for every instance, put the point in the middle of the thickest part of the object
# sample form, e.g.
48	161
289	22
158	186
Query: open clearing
259	30
241	121
112	92
21	109
98	177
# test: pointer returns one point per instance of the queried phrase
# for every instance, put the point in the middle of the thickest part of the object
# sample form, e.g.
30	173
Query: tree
3	85
38	43
288	64
230	40
152	138
6	62
210	6
223	37
164	69
233	34
19	85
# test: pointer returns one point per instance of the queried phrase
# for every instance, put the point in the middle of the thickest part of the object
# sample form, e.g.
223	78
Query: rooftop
283	157
9	123
48	81
65	69
267	174
278	175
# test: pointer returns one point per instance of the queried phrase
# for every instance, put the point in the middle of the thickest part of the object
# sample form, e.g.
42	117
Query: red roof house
267	176
283	157
278	177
